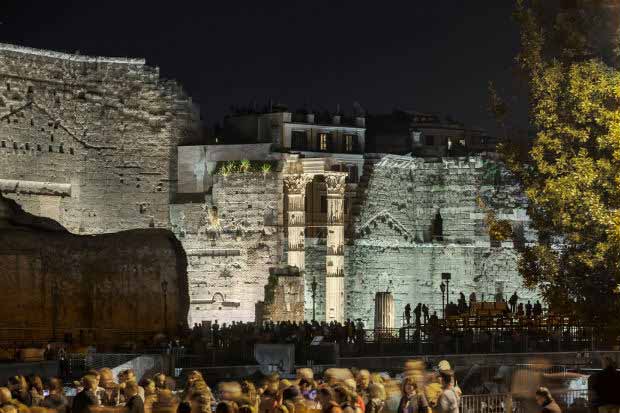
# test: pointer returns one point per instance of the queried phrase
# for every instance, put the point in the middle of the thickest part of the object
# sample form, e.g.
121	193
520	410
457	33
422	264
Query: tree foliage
572	177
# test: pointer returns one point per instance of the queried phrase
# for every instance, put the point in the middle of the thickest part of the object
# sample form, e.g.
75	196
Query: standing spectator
513	300
425	313
528	310
36	390
134	403
520	312
327	399
418	314
546	402
408	314
363	381
376	398
56	399
448	400
604	384
537	309
87	397
413	400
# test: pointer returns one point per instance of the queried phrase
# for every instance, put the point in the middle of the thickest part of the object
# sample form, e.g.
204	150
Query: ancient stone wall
90	142
394	248
232	240
108	288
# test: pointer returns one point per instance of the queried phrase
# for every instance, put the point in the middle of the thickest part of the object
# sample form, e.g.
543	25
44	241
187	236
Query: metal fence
574	401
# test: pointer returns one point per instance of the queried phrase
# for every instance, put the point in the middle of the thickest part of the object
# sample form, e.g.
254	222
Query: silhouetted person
425	313
87	397
520	311
408	313
462	303
528	310
538	309
472	299
514	299
604	385
418	313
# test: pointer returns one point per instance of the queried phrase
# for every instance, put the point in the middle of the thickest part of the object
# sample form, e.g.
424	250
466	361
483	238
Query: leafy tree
572	176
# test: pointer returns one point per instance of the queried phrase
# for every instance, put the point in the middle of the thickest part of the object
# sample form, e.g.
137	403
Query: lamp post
313	286
446	276
164	290
442	286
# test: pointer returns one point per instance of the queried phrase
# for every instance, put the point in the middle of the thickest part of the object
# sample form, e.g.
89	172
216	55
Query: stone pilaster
295	186
334	282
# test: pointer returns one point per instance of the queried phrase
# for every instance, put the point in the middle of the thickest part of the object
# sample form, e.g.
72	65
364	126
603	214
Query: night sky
433	55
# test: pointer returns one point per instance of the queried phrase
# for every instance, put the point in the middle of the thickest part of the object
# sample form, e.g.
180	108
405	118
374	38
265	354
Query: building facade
100	145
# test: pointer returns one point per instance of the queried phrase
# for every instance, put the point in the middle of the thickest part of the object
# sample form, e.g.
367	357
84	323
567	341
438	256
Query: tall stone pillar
295	186
334	281
384	310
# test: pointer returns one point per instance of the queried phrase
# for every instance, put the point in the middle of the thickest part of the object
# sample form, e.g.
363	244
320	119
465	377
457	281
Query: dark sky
435	55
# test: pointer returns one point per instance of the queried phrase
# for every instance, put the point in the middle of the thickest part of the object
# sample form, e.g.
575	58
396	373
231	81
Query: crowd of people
417	390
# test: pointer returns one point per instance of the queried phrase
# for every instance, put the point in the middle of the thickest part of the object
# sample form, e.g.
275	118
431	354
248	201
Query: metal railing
575	401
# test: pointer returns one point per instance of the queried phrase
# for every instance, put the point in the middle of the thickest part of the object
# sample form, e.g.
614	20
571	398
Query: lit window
322	141
348	143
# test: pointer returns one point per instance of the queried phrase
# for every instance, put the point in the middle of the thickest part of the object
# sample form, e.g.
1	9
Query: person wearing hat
444	366
448	400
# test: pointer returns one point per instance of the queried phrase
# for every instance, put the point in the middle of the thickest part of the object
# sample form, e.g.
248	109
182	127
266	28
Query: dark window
352	169
437	229
518	236
324	204
3	144
299	140
429	140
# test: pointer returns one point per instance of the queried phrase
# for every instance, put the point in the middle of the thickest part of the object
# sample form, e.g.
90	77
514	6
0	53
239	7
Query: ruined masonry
94	144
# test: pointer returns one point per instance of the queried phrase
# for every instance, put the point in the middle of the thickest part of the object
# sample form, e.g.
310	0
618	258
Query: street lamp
446	276
313	286
442	286
164	290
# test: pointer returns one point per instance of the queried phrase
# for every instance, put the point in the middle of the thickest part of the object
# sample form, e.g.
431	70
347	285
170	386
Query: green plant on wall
265	168
244	166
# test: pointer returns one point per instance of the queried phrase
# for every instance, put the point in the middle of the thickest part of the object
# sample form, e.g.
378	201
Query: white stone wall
393	250
229	253
108	128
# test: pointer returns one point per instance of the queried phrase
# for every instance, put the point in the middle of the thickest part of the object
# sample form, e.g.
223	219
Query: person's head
131	389
160	380
106	377
306	385
229	390
55	386
325	395
447	378
343	394
193	376
363	379
5	395
200	402
249	390
149	387
543	396
89	382
409	386
36	383
226	406
376	391
291	393
15	383
9	408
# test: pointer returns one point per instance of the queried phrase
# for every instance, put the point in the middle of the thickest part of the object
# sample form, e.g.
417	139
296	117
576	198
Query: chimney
360	121
310	118
336	119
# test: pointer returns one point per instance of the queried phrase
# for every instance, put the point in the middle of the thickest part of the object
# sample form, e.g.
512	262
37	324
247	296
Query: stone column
384	310
295	186
334	274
